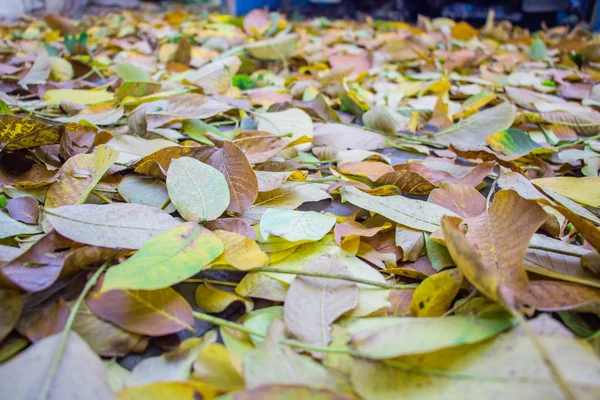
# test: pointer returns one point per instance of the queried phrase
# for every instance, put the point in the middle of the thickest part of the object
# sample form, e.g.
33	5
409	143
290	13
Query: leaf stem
212	282
558	378
339	277
62	344
290	342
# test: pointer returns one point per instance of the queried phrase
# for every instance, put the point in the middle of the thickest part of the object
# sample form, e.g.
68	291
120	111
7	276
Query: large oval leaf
198	191
166	259
233	164
148	312
117	225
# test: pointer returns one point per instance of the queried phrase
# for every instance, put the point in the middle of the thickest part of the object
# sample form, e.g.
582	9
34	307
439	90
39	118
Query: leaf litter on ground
362	210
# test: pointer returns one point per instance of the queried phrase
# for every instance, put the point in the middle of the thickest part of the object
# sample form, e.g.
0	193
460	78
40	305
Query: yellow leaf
215	366
240	252
81	96
435	294
170	391
213	300
463	31
584	190
78	177
23	133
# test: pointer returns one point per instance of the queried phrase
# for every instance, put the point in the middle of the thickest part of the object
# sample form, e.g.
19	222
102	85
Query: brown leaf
10	311
312	304
371	170
554	296
489	249
148	312
78	177
400	307
235	225
259	146
104	338
347	235
463	200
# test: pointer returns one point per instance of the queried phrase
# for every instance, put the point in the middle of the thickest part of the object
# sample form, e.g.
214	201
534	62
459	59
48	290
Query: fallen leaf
584	190
241	180
172	366
490	253
240	252
475	129
78	177
198	191
213	300
166	259
313	304
214	365
23	132
508	366
11	304
387	337
148	312
295	226
79	373
412	213
169	390
434	295
24	209
116	225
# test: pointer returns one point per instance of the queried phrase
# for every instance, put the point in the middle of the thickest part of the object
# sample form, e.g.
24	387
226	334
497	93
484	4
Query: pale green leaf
197	190
295	226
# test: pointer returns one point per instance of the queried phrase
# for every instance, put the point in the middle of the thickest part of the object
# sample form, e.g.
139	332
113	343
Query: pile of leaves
361	210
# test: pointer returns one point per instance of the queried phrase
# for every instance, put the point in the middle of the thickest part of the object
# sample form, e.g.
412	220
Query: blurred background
526	13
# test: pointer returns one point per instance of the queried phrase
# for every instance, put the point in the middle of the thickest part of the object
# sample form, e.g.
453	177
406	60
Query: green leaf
508	367
513	141
166	259
243	82
2	201
415	214
387	337
4	108
474	130
538	50
196	128
198	191
131	73
295	226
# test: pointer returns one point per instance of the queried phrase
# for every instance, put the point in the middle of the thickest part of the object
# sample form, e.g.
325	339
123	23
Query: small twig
290	342
339	277
166	203
211	281
458	305
62	344
102	197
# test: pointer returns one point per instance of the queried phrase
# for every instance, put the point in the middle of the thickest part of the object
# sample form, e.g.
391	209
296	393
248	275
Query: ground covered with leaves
360	210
